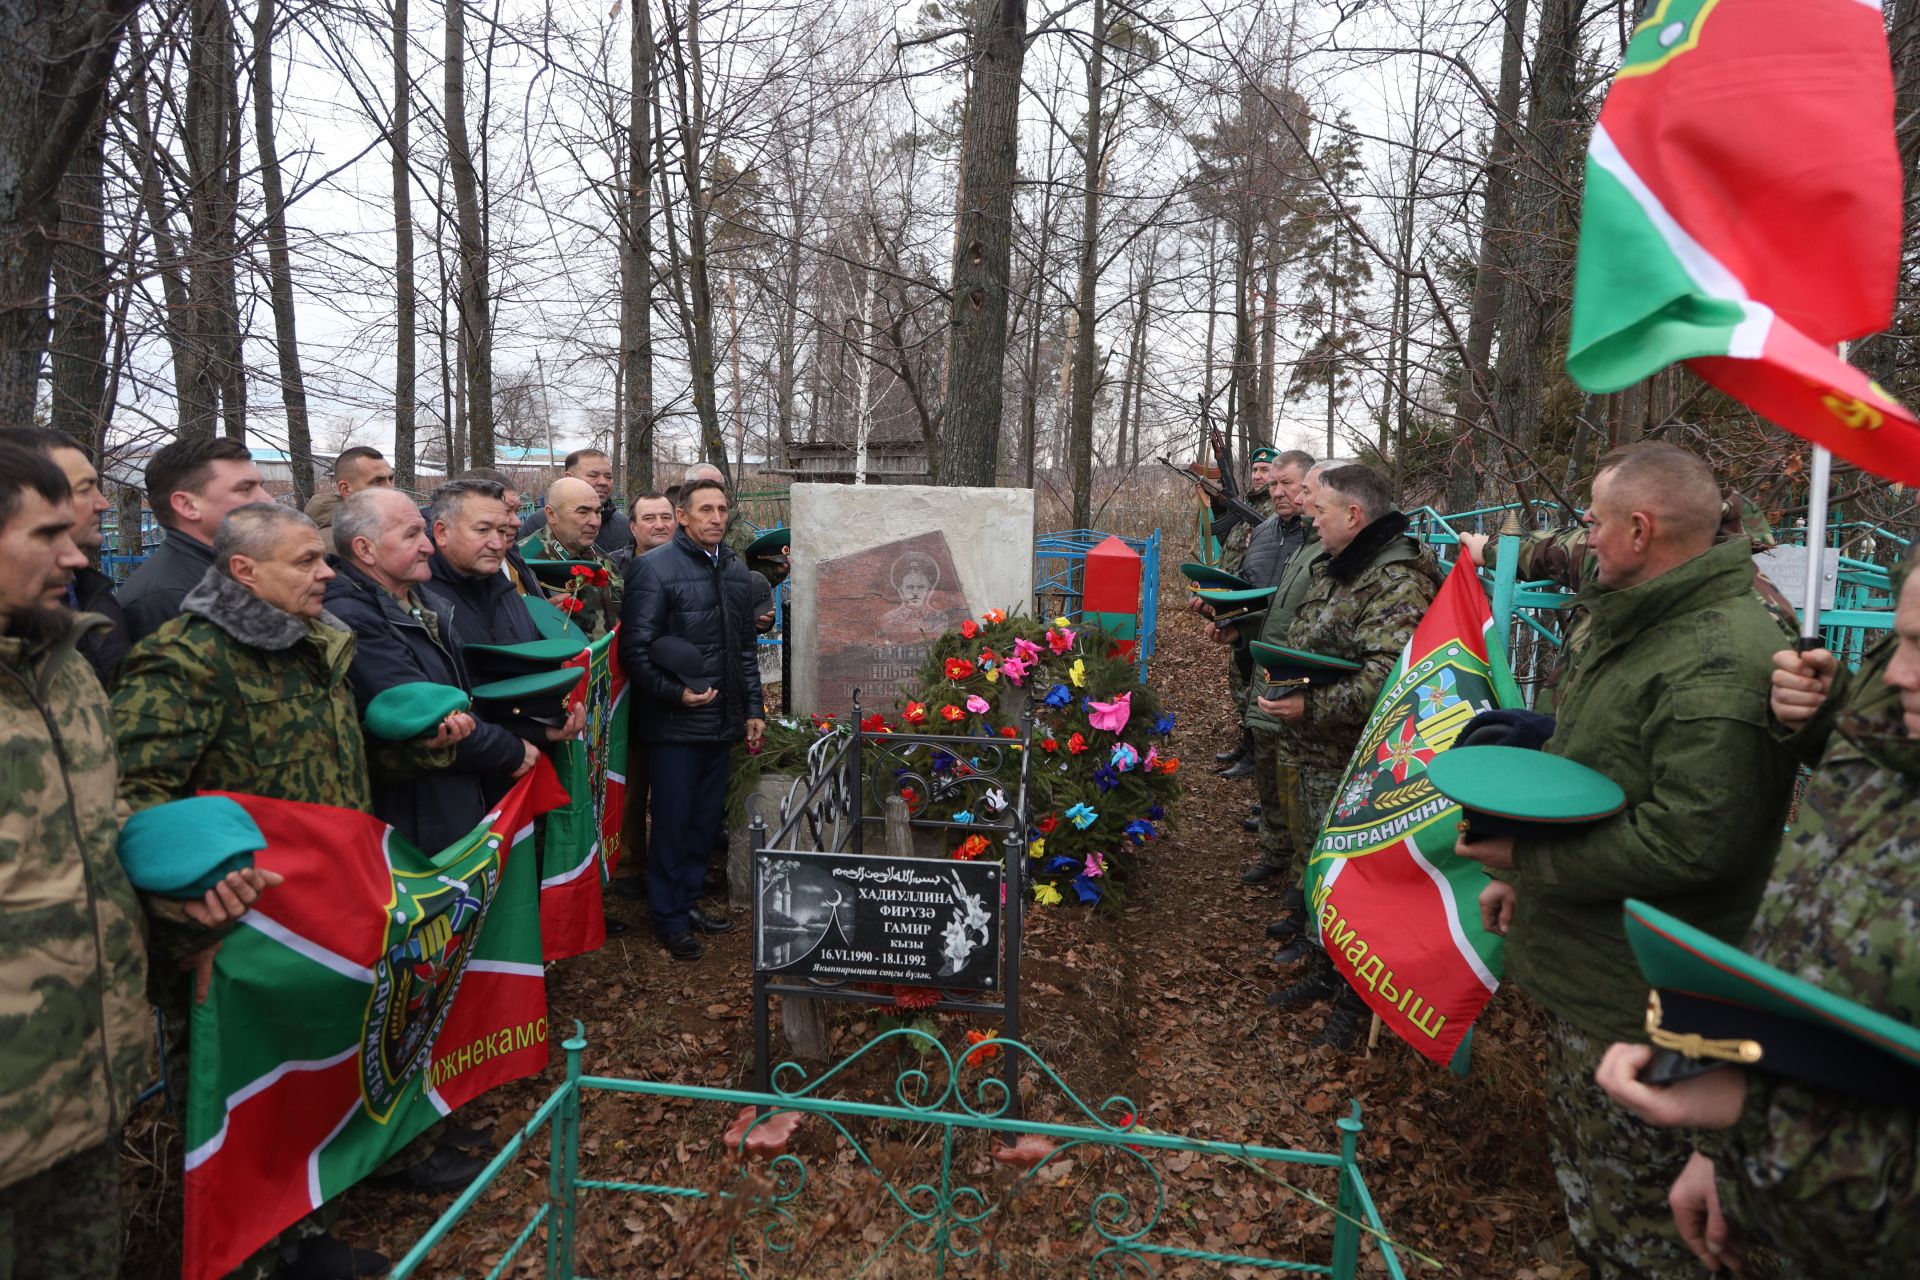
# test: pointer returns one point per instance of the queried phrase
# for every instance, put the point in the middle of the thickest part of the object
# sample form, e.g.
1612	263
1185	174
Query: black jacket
615	535
676	590
153	594
104	648
484	610
393	647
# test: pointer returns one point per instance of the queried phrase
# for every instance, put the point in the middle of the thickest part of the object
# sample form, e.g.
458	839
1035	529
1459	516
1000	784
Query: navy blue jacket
675	589
484	610
153	594
393	647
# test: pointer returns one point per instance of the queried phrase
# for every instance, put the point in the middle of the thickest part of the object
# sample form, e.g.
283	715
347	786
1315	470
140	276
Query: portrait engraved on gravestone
880	610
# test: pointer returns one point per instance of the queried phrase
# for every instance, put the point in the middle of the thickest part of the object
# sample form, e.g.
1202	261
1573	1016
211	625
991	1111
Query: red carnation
969	628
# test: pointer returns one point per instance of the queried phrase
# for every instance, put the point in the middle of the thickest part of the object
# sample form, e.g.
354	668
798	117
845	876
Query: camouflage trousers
1273	781
1307	803
1613	1170
64	1224
1239	672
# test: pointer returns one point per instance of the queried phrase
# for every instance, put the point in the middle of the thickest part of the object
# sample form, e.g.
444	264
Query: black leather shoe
1346	1024
707	922
1243	768
617	927
1293	953
1250	825
325	1257
683	946
1316	986
1259	873
1293	900
1228	756
628	888
445	1170
1285	927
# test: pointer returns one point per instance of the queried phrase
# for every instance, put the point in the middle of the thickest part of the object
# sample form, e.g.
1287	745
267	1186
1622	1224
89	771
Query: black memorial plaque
848	917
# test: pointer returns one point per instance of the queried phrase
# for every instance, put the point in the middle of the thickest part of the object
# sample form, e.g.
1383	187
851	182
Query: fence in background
1059	572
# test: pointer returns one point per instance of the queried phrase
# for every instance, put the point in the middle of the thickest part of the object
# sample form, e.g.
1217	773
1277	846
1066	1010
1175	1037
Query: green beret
1265	453
184	848
1529	795
1206	575
1712	1003
770	544
551	623
1298	667
411	709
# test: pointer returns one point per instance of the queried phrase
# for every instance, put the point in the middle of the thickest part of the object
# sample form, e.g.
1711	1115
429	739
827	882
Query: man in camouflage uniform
247	691
1561	556
73	971
1237	761
1666	696
1829	1182
1371	586
591	593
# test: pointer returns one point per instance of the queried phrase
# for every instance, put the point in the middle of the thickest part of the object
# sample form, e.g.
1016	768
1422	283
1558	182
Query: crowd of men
1679	680
242	656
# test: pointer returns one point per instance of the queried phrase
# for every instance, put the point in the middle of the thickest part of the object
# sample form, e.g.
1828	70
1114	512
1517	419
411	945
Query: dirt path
1159	999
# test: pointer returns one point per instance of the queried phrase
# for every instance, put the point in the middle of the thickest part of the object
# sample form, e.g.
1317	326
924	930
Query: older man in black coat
695	589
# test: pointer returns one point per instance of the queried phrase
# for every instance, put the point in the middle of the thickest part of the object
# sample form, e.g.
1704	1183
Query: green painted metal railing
1128	1224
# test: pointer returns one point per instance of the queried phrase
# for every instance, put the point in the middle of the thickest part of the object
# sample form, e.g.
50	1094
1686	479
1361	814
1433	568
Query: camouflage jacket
73	1011
236	695
1362	605
1668	697
1831	1182
1560	556
594	608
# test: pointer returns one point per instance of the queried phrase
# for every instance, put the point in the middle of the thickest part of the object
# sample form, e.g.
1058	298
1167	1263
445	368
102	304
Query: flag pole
1816	547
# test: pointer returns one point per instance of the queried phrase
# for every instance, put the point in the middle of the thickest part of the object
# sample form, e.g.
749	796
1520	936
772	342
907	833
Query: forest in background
1031	240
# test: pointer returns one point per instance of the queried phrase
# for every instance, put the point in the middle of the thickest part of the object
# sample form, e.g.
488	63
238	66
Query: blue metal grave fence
1059	568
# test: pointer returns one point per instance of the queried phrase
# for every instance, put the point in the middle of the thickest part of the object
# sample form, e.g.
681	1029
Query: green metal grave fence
1131	1222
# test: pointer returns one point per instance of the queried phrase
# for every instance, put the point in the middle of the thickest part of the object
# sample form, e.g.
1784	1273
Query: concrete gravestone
880	571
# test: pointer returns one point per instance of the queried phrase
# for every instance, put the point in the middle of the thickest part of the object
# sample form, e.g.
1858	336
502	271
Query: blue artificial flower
1157	812
1083	816
1164	725
1060	862
1106	778
1140	831
1088	890
1058	696
942	762
965	815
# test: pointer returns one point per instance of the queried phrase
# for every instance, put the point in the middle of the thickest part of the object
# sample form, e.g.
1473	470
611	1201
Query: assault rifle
1230	511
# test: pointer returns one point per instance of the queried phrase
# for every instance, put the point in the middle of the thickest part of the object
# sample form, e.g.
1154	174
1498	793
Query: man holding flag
1667	697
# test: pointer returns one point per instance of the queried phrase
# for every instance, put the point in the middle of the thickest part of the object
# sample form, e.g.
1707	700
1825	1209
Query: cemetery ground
1158	998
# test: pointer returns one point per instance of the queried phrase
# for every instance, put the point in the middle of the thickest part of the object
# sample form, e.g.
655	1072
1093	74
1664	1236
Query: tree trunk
1085	299
405	368
79	354
697	312
966	450
476	319
636	259
217	394
293	386
179	326
1490	264
59	57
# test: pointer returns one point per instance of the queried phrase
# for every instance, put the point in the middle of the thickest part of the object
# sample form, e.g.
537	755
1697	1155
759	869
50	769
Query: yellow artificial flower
1078	672
1046	895
993	676
1038	849
1061	622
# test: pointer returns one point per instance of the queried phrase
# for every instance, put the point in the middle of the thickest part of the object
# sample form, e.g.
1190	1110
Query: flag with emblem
1397	912
581	842
370	994
1742	213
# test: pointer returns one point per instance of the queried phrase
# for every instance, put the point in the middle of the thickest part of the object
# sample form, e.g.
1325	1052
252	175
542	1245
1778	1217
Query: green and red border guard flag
582	839
370	994
1742	214
1399	915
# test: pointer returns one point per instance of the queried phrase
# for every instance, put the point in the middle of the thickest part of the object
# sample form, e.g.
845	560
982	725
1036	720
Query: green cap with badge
1527	795
1714	1005
412	709
1289	669
504	661
185	847
551	623
1206	575
1265	453
1237	603
537	697
770	544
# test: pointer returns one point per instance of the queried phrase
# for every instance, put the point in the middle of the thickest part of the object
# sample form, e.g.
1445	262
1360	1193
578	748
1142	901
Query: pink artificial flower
1059	641
1111	716
1026	650
978	705
1015	669
1096	864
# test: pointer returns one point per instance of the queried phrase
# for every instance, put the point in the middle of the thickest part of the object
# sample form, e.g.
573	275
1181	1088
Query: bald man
581	579
1667	696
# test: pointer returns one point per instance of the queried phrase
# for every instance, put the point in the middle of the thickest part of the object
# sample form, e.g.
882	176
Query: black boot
1284	928
1294	952
1347	1023
1293	900
1322	981
324	1257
